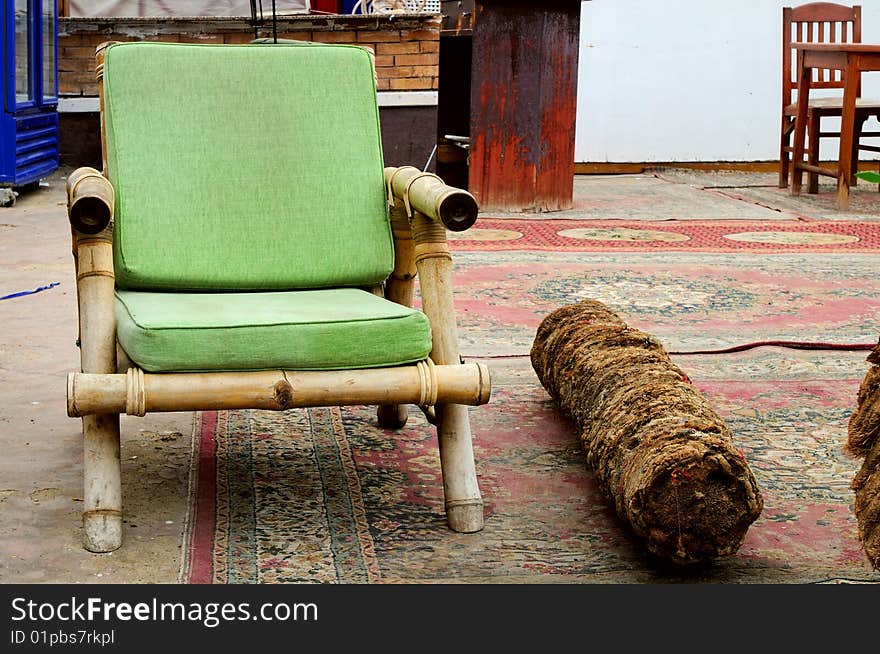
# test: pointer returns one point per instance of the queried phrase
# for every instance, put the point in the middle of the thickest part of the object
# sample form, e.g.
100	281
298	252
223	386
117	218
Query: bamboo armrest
426	193
90	201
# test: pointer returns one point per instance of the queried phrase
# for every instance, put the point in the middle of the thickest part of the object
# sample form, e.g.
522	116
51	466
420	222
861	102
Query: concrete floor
41	465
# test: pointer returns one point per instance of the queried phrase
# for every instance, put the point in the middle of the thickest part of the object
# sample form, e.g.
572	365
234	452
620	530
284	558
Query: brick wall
406	46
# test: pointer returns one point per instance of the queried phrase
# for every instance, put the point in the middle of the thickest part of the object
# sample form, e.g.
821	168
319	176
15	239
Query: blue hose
36	290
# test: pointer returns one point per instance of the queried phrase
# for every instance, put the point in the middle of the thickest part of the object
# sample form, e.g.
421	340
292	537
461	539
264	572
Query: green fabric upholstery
298	330
245	167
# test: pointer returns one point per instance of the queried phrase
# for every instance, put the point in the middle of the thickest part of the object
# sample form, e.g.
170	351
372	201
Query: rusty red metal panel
523	104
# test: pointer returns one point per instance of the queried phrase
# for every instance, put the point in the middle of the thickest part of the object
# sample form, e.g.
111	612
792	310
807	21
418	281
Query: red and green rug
324	496
494	234
692	301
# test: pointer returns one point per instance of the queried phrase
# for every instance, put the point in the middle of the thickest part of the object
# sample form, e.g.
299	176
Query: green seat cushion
294	330
245	167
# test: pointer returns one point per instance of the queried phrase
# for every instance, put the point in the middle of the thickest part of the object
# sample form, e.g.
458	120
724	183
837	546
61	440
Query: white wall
688	80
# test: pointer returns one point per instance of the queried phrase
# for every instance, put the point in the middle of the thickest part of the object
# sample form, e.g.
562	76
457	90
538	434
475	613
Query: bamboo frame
138	393
429	195
90	208
399	288
100	51
90	205
110	384
432	206
90	201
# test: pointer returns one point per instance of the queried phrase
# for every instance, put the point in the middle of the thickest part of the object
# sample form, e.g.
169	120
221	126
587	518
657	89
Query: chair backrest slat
807	24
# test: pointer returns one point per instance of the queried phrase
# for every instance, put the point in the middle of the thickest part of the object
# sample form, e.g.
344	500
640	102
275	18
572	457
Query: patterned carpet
700	236
325	496
690	300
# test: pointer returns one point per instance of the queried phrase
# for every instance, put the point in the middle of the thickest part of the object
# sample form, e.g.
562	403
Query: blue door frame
29	125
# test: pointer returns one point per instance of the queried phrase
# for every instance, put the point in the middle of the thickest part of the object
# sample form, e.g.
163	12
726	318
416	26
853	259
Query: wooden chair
819	22
245	248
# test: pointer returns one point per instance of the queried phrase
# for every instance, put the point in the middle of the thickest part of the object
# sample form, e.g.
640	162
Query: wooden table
851	59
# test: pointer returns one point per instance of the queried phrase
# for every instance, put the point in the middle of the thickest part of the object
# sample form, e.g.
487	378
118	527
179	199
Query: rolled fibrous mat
659	450
864	441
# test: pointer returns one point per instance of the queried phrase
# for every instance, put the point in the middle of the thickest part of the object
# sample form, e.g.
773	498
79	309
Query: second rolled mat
864	441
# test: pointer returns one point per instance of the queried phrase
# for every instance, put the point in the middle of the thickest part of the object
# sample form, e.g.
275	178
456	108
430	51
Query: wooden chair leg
464	505
784	145
102	514
813	154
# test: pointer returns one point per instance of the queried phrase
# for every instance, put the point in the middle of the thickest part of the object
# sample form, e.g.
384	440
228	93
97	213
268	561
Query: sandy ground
41	465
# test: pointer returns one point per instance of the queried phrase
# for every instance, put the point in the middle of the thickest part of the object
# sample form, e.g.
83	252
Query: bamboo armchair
308	278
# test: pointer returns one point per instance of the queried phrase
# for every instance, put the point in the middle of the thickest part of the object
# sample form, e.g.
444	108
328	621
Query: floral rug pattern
690	301
325	496
493	234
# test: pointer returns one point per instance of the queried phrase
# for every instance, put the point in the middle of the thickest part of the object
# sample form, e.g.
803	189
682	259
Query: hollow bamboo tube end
427	193
485	384
89	200
71	395
457	210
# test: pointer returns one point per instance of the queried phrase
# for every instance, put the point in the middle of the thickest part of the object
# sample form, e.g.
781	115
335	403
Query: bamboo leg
102	514
464	504
399	289
102	517
392	416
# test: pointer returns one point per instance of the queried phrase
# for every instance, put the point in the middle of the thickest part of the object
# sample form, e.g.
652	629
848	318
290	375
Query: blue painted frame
53	98
28	130
12	104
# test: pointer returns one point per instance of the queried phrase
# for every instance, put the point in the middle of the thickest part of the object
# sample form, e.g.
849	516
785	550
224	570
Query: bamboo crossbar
137	393
428	194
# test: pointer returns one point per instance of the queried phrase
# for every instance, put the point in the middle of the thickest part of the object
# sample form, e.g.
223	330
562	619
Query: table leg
800	126
847	129
813	152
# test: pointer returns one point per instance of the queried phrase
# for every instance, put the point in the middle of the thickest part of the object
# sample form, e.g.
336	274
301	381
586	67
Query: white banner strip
88	104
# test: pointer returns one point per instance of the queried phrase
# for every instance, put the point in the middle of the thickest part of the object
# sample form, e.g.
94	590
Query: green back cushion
254	167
